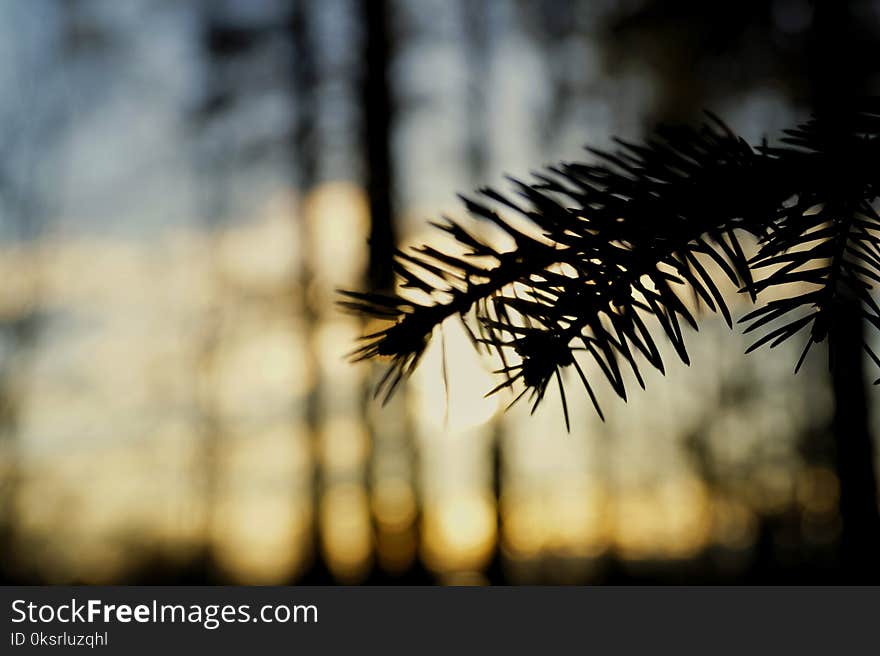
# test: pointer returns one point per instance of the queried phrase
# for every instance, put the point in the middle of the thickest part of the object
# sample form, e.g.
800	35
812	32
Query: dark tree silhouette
379	111
837	73
378	108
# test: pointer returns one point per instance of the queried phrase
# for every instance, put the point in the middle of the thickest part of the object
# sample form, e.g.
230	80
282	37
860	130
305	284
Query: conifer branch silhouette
616	244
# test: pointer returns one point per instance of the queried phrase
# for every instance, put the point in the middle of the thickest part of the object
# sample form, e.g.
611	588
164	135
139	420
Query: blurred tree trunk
32	121
22	333
378	109
475	21
478	50
377	106
304	161
854	449
392	448
835	86
210	169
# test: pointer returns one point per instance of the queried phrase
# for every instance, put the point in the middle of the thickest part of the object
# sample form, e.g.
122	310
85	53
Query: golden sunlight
459	532
463	404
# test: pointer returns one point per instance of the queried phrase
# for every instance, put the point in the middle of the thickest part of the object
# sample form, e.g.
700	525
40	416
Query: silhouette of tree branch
613	245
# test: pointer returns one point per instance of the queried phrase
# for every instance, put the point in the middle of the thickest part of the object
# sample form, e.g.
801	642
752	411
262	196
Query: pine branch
826	237
613	246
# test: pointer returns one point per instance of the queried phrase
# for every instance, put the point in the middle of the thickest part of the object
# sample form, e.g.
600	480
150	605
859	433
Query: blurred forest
183	187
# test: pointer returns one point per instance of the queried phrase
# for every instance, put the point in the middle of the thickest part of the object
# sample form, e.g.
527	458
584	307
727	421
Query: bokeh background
183	187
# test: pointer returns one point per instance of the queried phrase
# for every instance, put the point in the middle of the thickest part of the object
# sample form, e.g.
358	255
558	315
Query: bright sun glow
463	405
